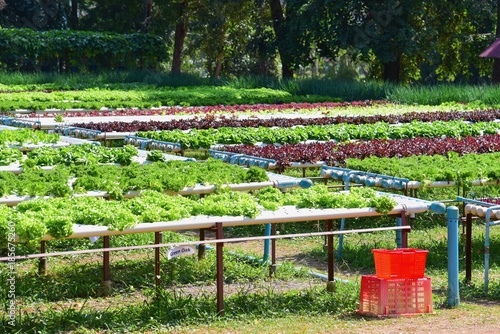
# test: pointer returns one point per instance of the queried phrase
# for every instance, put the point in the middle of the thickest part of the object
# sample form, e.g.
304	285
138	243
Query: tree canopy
400	40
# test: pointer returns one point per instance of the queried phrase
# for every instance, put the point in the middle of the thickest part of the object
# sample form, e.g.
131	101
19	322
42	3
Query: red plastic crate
395	296
400	262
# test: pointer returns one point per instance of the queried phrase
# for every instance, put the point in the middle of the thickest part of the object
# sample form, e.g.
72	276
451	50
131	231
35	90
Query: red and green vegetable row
336	154
206	138
212	122
210	109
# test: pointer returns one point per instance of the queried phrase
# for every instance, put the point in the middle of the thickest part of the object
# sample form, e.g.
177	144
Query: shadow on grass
81	277
166	309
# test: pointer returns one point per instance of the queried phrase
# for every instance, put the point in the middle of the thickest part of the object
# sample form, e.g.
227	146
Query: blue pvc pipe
341	239
267	243
486	255
487	245
324	277
346	178
399	233
452	216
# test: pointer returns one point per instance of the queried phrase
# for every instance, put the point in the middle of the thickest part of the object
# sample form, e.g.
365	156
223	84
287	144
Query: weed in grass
310	301
476	96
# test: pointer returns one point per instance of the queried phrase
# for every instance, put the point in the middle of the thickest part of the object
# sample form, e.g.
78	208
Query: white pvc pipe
31	147
114	135
18	169
196	190
435	184
286	214
480	211
204	242
305	165
444	184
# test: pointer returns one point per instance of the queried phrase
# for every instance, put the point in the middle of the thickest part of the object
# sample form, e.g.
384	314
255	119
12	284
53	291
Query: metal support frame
158	240
488	224
217	227
202	248
220	268
106	281
330	284
468	238
219	241
404	233
42	263
453	282
468	248
272	266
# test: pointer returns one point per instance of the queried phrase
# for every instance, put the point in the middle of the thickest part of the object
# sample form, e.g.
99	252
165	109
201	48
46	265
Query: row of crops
337	141
58	192
79	169
56	216
87	173
423	146
460	141
210	121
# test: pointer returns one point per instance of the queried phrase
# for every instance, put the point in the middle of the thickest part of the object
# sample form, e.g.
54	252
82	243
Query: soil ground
471	317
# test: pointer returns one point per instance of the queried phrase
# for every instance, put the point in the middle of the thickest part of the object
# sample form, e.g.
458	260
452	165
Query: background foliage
28	50
399	41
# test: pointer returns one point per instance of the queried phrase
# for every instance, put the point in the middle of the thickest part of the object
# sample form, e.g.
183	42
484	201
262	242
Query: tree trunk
495	78
149	8
210	65
73	17
181	29
218	65
392	70
280	32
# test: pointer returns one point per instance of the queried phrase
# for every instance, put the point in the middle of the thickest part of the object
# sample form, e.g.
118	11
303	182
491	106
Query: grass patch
68	298
297	90
476	96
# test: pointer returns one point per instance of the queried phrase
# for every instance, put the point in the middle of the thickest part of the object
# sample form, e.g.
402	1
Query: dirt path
470	319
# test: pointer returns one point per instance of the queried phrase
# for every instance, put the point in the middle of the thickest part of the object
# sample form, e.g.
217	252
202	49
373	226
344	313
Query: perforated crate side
395	296
400	263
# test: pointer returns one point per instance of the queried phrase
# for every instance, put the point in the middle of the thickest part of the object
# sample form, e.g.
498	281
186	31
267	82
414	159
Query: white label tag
93	239
179	251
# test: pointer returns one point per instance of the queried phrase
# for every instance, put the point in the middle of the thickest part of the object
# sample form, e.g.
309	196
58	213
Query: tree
462	30
34	14
221	33
297	28
260	48
279	25
73	16
385	28
495	78
120	16
171	20
405	37
181	30
222	27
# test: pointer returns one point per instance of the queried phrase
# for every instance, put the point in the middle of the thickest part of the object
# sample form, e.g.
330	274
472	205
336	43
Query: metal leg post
220	269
